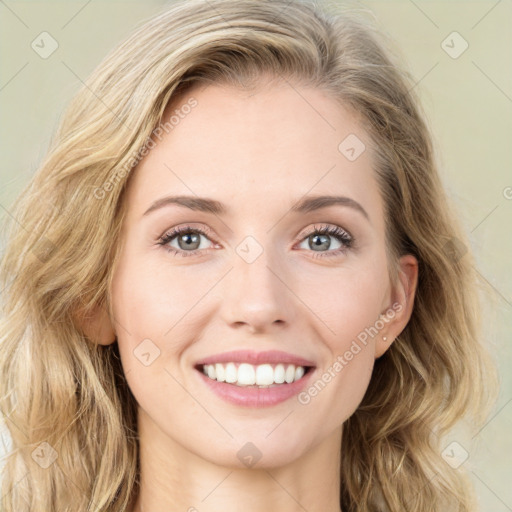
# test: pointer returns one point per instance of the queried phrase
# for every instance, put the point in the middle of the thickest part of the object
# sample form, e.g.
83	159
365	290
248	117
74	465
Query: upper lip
256	358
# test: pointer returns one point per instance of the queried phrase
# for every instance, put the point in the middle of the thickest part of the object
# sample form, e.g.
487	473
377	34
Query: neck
175	479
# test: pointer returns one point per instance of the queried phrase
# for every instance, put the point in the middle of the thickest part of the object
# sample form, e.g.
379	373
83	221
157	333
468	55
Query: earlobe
402	303
96	325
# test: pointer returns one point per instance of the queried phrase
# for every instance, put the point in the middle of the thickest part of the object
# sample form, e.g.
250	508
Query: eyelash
336	232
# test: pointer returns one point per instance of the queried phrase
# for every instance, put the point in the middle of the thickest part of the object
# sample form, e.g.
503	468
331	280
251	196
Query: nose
257	296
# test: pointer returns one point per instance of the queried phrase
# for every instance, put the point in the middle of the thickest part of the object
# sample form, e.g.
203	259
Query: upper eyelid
327	225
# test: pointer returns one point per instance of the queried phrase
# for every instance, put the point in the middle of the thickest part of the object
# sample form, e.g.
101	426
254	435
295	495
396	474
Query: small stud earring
384	338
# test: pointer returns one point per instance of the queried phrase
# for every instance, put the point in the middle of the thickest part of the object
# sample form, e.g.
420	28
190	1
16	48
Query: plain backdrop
460	53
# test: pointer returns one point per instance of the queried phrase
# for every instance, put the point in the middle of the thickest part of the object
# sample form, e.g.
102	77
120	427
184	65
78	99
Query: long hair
64	398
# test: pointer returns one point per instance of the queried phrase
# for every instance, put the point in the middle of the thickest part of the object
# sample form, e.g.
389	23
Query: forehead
258	148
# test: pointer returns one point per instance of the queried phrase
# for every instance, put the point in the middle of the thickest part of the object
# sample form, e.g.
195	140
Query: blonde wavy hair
57	386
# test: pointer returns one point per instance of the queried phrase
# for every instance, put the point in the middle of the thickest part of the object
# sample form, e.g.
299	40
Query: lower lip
256	397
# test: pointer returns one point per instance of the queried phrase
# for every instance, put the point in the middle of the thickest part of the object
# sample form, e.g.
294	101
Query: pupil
321	241
191	238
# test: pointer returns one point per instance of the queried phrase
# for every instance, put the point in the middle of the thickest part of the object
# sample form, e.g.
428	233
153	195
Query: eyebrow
206	205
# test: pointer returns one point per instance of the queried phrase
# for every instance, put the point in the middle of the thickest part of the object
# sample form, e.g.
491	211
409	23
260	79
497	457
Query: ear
96	325
399	311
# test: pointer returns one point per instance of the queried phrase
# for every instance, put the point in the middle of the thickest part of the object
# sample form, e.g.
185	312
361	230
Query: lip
255	397
253	357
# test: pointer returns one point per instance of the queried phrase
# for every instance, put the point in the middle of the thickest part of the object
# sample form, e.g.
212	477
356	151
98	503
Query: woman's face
253	271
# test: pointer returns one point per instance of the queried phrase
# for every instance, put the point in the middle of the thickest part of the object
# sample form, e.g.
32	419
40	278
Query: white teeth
263	375
220	373
231	373
289	376
246	375
279	374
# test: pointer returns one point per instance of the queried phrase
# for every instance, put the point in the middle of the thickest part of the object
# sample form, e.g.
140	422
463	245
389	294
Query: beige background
468	101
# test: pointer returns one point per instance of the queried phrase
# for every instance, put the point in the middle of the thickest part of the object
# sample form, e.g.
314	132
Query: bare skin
259	153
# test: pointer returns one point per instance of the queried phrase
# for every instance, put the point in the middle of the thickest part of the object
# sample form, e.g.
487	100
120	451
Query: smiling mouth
267	375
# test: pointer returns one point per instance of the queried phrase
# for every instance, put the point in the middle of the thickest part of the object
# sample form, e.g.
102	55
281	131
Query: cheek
139	311
348	301
348	304
158	311
338	388
149	302
146	308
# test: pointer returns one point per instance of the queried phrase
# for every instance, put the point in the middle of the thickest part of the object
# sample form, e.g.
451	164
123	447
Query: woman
236	280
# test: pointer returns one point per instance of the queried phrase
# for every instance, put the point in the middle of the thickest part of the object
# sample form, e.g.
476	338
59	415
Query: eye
319	241
187	239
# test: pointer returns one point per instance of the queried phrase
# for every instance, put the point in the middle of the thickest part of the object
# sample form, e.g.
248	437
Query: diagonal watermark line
508	508
485	15
199	403
429	480
418	81
424	14
77	418
220	219
12	216
70	275
217	486
12	488
14	14
218	13
76	14
286	491
308	102
14	76
493	287
301	300
286	213
95	95
491	212
282	421
499	410
3	289
280	11
84	493
8	418
492	81
204	295
8	284
116	321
